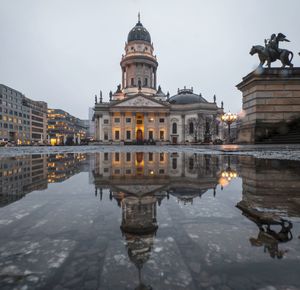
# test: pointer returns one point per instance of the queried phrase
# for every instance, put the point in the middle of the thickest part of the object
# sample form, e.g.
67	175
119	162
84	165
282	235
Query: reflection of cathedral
140	112
140	181
184	175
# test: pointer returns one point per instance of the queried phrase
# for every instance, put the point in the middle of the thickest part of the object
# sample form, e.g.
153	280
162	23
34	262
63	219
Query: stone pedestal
270	97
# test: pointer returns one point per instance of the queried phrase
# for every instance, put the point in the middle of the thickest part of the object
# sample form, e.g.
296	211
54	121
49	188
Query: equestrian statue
271	51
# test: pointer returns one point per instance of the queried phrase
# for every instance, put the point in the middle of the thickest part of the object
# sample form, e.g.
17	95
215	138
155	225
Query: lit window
161	135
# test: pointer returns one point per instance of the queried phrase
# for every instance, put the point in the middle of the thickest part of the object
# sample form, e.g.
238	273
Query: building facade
140	112
22	120
64	129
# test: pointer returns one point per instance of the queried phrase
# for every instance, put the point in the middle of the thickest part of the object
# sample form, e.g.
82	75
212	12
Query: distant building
64	129
22	120
38	120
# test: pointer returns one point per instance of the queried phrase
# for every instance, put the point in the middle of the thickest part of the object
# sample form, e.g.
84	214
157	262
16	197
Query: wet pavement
149	220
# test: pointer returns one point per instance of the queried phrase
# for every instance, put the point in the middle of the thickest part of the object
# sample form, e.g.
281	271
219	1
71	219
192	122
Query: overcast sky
64	51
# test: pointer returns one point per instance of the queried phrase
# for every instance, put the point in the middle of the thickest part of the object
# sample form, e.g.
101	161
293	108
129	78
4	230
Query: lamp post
229	118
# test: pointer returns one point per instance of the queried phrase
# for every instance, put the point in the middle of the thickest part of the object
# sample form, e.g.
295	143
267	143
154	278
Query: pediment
139	101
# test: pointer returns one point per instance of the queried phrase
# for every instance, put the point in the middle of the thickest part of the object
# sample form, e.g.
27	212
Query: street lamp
229	118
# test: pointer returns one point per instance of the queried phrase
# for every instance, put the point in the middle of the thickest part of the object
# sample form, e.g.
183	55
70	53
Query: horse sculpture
285	56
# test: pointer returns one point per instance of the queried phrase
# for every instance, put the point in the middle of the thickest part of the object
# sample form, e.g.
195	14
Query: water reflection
149	191
140	181
185	176
24	174
271	191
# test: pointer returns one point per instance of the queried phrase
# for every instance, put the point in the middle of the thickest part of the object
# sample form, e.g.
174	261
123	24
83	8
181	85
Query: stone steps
291	137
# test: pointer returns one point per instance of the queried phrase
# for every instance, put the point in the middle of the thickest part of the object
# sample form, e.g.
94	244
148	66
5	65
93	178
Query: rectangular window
161	120
117	171
128	171
117	120
161	135
151	120
117	156
161	157
105	121
117	135
161	171
128	135
139	121
146	82
105	156
128	120
128	156
106	170
150	135
150	156
132	81
105	135
191	163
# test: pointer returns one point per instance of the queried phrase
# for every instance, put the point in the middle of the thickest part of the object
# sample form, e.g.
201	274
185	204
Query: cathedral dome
186	96
139	32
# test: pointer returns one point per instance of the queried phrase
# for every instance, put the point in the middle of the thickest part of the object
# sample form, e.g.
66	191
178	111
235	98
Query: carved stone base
271	98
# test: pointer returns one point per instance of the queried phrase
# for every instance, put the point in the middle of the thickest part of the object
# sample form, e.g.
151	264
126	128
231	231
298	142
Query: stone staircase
291	136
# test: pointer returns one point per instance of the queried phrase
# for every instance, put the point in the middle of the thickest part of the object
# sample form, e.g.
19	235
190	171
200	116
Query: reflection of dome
187	195
186	96
139	32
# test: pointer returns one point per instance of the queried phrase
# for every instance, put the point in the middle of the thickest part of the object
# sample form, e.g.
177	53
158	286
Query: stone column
156	127
145	126
110	132
183	128
122	126
167	127
100	127
133	123
96	128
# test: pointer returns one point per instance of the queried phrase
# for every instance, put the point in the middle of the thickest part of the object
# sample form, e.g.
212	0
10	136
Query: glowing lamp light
229	118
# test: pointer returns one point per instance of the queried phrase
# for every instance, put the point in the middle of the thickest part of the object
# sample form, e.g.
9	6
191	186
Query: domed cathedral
139	112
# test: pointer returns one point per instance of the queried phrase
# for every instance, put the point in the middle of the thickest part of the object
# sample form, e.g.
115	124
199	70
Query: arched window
191	128
174	163
174	128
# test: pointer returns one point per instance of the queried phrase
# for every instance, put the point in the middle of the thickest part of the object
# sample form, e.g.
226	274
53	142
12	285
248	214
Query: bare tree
200	128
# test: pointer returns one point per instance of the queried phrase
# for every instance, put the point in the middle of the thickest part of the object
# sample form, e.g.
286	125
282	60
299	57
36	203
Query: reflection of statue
95	99
110	96
139	85
271	52
268	237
